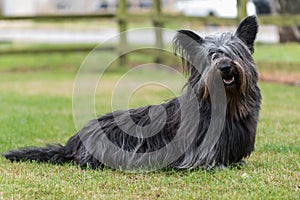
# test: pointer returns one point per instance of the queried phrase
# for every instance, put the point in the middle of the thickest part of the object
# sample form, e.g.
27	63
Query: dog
212	124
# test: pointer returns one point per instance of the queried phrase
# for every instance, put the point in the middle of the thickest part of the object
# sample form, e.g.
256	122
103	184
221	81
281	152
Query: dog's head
227	56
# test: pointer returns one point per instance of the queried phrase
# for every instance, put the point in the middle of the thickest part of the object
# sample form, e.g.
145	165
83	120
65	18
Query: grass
44	115
269	57
36	109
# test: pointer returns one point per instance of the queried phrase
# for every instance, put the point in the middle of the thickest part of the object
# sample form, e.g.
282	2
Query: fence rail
59	17
158	19
277	20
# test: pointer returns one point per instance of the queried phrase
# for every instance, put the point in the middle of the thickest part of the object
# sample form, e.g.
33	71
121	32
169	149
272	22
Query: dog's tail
51	153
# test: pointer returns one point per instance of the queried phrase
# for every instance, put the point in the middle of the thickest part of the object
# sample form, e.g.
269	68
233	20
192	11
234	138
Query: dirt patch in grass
288	78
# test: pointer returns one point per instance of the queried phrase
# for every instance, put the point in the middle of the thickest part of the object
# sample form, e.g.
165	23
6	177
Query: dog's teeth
228	81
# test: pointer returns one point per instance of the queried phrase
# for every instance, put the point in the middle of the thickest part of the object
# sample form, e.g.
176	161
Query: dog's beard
235	90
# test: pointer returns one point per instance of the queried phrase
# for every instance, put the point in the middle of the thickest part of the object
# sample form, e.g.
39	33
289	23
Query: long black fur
201	55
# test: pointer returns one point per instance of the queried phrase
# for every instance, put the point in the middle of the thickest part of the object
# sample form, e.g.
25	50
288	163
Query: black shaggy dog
213	123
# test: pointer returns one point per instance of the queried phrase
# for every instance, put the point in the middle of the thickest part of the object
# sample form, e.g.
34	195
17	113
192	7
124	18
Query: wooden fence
158	19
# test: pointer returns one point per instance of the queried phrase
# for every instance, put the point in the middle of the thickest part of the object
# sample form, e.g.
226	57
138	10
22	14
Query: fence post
158	28
121	17
242	9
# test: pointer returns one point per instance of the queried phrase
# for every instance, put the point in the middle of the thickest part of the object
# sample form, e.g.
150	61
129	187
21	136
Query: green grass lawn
36	108
269	57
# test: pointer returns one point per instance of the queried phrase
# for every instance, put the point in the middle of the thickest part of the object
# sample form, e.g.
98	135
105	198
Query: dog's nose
225	68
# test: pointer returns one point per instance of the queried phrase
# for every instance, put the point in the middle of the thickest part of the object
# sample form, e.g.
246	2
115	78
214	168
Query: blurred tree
288	34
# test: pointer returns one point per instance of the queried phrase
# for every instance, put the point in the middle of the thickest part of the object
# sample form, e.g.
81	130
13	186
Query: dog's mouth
228	81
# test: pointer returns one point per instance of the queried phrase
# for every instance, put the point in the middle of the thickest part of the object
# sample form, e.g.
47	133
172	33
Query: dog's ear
190	34
186	40
247	31
185	44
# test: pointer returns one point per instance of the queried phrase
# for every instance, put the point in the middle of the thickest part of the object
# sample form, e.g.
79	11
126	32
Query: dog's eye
220	51
211	53
215	56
